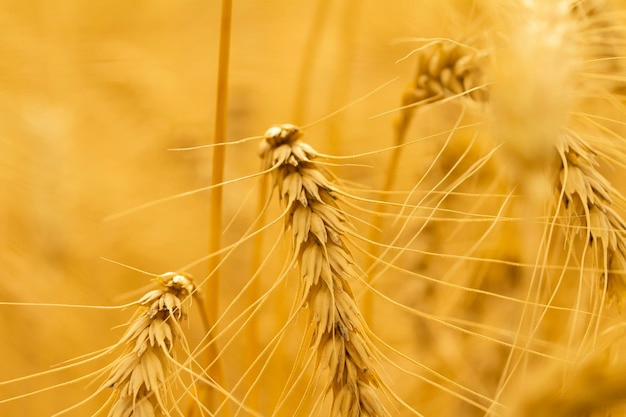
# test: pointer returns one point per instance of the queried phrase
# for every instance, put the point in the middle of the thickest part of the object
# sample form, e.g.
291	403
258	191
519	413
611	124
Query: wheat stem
217	176
309	54
256	261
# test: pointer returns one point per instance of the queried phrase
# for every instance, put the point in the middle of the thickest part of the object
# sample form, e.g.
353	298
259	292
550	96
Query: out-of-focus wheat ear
588	203
443	69
538	77
532	75
139	378
316	226
592	387
532	78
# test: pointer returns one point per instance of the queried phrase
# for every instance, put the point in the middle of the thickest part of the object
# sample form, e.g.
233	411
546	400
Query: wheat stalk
317	225
140	376
217	177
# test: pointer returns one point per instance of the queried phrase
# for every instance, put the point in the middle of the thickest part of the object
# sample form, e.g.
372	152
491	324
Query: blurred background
92	96
95	95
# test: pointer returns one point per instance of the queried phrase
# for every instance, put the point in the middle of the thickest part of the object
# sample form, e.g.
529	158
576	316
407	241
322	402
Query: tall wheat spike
317	226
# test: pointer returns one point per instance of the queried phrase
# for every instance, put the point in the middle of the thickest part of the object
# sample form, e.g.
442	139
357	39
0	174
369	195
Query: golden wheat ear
595	386
339	335
444	69
588	202
139	378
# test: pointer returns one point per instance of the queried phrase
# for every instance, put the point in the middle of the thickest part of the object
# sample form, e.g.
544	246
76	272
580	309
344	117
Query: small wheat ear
594	386
139	378
588	201
444	70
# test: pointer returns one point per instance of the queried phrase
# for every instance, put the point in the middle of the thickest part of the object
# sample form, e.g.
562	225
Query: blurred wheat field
488	268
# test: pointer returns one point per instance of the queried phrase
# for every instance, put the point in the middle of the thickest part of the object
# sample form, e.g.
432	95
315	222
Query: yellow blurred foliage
95	98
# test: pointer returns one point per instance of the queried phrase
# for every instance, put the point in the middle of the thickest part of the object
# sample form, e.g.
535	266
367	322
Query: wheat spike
588	203
595	386
587	196
317	225
140	376
443	69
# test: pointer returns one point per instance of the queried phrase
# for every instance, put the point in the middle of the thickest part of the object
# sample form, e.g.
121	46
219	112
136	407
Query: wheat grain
140	377
317	225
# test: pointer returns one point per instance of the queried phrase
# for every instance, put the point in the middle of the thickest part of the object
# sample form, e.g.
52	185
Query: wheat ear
588	204
317	225
140	376
443	69
593	387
